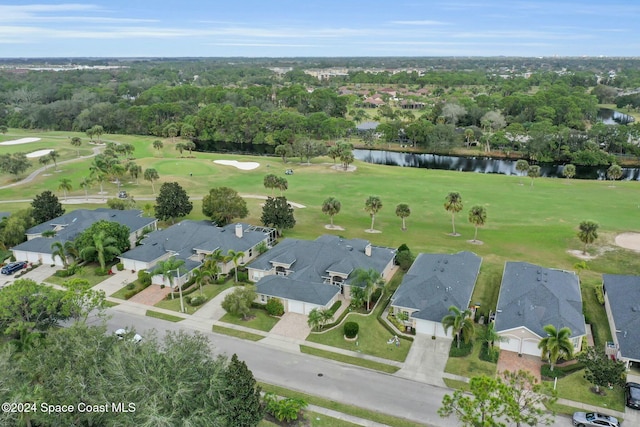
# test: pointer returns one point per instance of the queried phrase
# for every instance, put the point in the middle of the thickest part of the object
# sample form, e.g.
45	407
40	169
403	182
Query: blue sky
286	28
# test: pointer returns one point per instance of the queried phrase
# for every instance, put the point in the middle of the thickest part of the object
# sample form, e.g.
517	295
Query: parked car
122	195
594	419
122	333
13	267
632	395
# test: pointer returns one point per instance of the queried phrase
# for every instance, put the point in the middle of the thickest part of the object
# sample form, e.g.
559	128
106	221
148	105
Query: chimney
367	250
239	231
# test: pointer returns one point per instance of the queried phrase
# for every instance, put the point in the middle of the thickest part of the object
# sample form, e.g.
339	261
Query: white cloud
421	22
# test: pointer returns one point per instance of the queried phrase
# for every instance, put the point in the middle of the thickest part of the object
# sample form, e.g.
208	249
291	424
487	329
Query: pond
478	164
613	117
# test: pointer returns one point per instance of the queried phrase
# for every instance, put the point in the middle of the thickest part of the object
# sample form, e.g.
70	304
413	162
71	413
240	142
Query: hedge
599	294
560	371
487	355
335	307
351	329
464	350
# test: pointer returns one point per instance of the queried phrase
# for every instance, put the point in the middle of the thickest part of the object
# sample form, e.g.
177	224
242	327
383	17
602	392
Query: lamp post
177	270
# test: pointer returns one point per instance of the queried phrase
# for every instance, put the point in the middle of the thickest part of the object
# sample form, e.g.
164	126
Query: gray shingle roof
367	126
314	258
75	222
623	293
285	287
534	296
187	236
437	281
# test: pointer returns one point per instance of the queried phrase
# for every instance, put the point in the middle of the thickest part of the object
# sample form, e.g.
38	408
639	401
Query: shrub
464	350
131	286
351	329
284	410
275	307
560	371
129	294
599	294
198	300
375	296
404	260
144	278
187	299
63	273
489	354
243	276
221	280
120	266
102	271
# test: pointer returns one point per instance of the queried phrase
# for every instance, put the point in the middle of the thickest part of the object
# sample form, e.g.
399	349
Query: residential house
532	297
434	283
313	274
68	226
192	241
622	304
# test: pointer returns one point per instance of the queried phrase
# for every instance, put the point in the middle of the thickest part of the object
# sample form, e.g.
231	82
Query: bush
144	278
464	350
197	300
560	371
63	273
129	294
102	271
131	286
375	296
335	307
351	329
187	299
489	355
404	260
243	276
275	307
120	266
599	294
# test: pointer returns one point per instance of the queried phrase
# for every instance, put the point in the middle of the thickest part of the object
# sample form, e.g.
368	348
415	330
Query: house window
281	271
262	299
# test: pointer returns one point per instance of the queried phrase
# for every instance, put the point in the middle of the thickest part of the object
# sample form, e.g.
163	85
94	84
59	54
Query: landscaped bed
87	272
209	291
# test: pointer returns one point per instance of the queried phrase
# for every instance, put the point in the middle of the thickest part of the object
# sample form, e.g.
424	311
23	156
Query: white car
593	419
122	333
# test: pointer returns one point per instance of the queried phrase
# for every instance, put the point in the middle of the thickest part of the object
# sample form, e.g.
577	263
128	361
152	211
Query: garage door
296	307
511	344
309	307
531	347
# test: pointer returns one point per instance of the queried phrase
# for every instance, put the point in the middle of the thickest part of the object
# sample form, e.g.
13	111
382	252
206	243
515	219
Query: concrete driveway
38	275
426	360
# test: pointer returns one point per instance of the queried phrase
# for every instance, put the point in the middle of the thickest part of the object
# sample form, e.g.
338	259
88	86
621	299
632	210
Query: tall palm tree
373	205
65	185
103	245
588	233
235	257
460	323
202	276
71	249
44	161
170	269
533	172
369	280
53	155
151	175
453	205
76	142
403	211
57	250
522	166
157	144
85	184
315	319
331	206
489	335
557	343
477	217
212	262
569	171
282	184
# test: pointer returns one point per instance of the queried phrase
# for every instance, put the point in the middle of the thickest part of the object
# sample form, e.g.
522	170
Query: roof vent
442	270
349	247
635	308
446	261
519	312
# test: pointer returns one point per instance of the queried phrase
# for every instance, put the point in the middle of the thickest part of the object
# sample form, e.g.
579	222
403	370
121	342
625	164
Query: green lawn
471	365
209	291
87	273
236	333
575	387
258	319
120	293
382	367
163	316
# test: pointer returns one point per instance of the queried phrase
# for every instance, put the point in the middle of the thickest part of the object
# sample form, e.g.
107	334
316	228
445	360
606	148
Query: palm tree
102	245
235	257
331	207
533	172
569	171
453	204
134	170
65	185
53	155
57	250
157	144
76	142
71	249
212	262
614	172
369	280
202	276
180	147
282	185
556	344
85	184
522	166
477	217
460	323
468	134
44	160
373	206
489	335
588	233
270	182
403	211
151	175
347	157
190	145
166	268
315	319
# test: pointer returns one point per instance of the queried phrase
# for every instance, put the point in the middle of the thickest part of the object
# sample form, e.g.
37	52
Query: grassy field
258	319
382	367
471	365
537	224
87	273
575	387
236	333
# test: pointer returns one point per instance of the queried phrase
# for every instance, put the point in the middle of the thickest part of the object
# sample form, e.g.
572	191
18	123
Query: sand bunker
20	141
39	153
629	241
245	166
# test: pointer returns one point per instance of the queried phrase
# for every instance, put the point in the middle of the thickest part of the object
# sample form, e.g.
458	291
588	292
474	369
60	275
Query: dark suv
13	267
632	395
